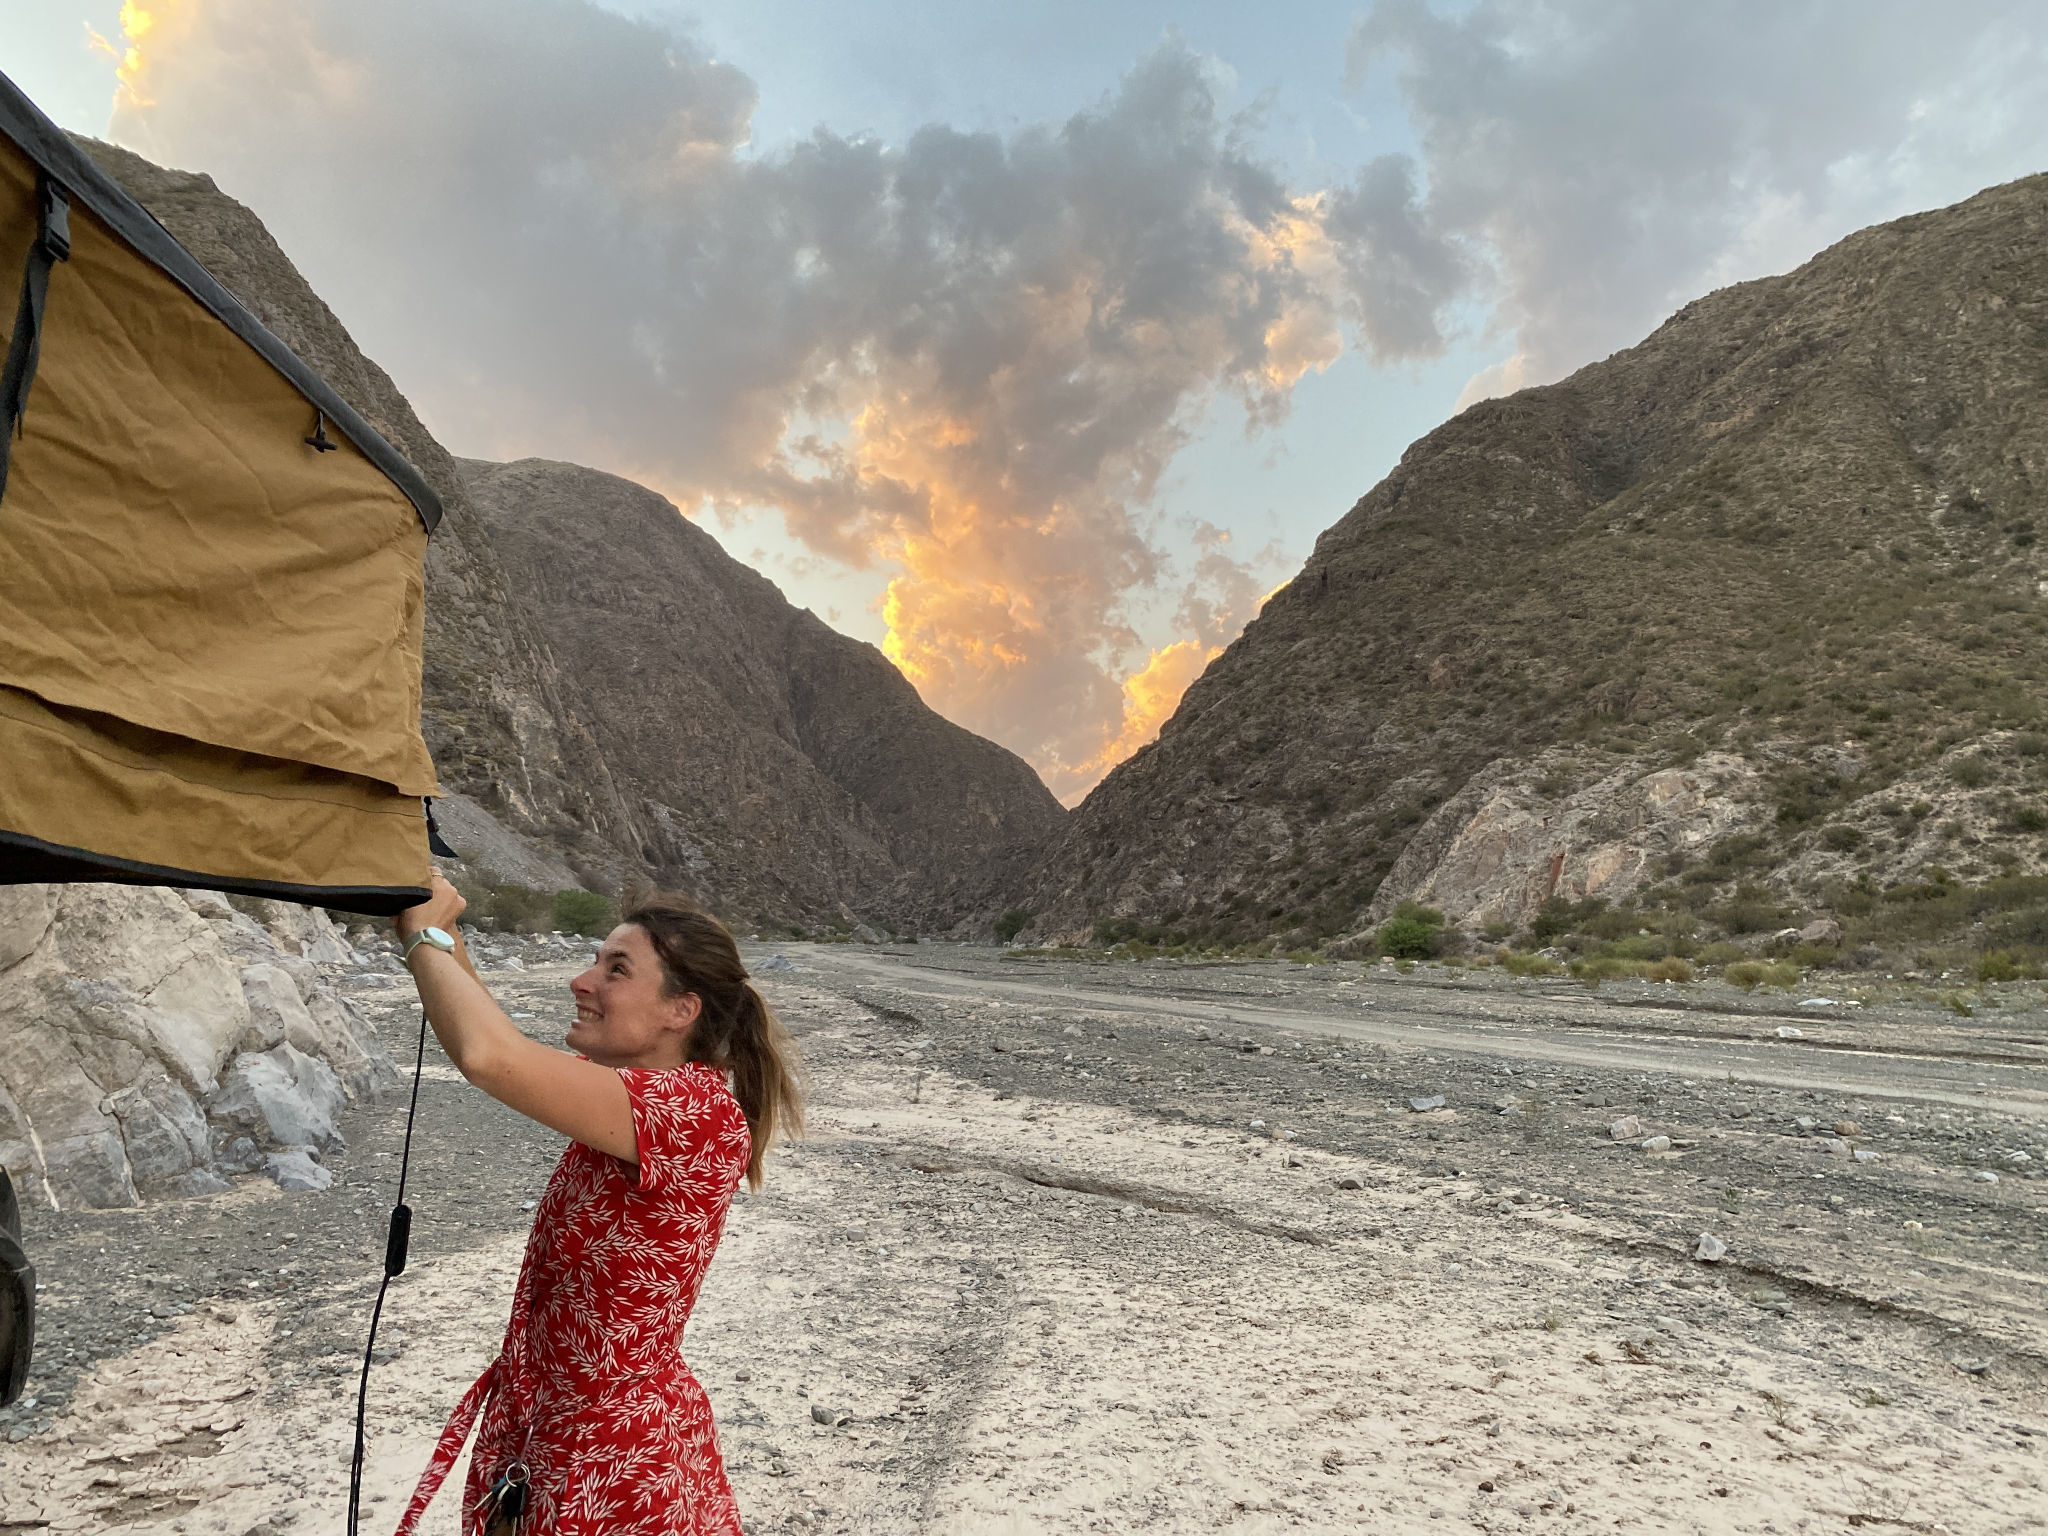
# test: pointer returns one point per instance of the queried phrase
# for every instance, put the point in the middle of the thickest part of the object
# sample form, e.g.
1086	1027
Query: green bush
1842	837
1012	923
1999	965
1970	772
1751	974
1516	964
503	908
1408	938
585	912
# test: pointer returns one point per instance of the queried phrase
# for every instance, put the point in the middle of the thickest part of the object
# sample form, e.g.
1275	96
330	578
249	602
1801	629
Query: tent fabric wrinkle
211	627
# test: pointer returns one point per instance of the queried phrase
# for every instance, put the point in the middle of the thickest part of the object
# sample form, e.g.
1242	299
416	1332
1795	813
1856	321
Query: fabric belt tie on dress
449	1449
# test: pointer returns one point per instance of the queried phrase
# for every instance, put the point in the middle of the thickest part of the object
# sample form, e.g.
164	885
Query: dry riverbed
1082	1247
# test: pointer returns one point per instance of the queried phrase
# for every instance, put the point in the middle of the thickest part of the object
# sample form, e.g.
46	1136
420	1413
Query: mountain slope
1784	548
776	766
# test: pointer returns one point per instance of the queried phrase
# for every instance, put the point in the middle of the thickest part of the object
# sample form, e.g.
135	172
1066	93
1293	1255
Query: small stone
1505	1207
1627	1128
1985	1176
1864	1155
1833	1144
1655	1143
1807	1123
1787	1032
775	963
1848	1128
1255	1125
1424	1106
294	1170
820	1414
1711	1250
1351	1181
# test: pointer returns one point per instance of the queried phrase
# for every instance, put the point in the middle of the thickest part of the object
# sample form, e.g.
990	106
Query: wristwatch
433	936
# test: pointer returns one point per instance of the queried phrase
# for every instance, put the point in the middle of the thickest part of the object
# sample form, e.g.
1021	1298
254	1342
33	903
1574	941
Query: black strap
52	245
396	1239
437	845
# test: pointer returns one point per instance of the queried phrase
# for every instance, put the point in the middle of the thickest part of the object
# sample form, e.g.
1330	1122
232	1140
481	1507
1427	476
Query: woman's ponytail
736	1031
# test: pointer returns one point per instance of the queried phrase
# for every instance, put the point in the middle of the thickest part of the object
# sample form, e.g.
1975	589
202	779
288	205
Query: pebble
1423	1106
1833	1144
1864	1155
1711	1250
1655	1143
1848	1128
1787	1032
1351	1181
775	963
1627	1128
1985	1176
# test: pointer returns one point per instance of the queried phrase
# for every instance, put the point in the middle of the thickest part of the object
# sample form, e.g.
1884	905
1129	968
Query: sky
1035	343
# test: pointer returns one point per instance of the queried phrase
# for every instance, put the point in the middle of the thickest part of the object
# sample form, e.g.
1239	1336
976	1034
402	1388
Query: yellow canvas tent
211	582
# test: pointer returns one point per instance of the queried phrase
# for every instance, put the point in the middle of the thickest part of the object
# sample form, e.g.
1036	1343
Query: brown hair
736	1031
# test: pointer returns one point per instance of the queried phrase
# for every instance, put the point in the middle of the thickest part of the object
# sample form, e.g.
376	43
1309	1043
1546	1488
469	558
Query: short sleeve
688	1129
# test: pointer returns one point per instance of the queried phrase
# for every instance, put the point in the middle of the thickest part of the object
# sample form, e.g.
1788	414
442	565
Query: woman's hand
442	909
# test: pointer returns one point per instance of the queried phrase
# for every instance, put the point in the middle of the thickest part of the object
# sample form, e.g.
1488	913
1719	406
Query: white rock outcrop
144	1030
1506	843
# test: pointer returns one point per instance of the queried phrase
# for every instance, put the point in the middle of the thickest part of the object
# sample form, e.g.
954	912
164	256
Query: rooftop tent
211	583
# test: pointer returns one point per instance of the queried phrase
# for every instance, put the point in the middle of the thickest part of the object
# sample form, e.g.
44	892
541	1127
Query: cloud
1598	162
966	360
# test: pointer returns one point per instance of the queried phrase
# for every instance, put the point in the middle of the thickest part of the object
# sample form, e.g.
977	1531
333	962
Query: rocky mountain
758	756
784	773
1748	617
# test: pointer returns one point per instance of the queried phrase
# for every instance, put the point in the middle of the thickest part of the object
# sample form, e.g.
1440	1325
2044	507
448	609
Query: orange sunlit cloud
922	380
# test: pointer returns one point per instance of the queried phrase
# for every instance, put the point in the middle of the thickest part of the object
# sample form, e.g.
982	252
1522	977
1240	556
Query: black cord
396	1240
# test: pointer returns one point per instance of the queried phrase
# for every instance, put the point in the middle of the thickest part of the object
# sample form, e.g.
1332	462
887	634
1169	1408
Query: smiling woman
589	1420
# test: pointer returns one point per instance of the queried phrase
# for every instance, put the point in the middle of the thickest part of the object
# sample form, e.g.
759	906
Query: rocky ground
1168	1247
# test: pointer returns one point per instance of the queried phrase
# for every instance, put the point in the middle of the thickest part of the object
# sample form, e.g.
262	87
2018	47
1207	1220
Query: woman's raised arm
584	1101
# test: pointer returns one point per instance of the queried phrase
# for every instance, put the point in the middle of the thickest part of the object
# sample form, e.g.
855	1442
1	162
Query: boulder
1823	931
281	1097
144	1031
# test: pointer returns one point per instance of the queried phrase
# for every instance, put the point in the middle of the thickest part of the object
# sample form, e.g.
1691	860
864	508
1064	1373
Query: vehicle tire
17	1298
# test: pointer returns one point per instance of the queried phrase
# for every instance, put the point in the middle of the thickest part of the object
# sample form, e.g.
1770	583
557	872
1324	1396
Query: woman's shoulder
692	1088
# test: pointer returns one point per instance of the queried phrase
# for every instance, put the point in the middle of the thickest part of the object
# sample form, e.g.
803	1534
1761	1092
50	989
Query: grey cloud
1600	161
969	357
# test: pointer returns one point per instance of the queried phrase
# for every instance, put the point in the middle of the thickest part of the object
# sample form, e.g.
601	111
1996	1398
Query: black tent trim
30	860
91	188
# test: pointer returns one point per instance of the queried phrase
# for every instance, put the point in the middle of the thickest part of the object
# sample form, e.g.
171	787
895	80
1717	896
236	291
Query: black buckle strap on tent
437	845
320	442
52	245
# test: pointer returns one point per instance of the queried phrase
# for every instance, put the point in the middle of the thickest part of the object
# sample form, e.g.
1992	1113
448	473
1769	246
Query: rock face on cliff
152	1041
785	772
755	756
1770	575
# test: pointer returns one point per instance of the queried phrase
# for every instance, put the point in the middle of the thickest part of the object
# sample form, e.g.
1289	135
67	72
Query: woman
588	1420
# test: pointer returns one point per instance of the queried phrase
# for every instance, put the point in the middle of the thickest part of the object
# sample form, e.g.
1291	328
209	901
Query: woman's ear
683	1011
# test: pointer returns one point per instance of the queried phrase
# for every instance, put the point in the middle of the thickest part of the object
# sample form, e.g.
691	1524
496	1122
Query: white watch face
435	937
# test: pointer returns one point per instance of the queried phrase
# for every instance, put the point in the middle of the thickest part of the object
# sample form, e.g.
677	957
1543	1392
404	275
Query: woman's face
622	1017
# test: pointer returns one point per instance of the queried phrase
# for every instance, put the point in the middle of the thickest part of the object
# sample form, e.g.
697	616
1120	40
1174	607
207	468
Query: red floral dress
589	1389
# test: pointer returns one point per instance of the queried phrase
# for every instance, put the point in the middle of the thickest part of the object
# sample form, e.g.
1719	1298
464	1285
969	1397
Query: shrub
1751	974
1557	915
1999	965
1670	968
1719	953
1012	923
2030	818
1408	938
1970	772
503	908
1526	964
1842	837
585	912
1752	911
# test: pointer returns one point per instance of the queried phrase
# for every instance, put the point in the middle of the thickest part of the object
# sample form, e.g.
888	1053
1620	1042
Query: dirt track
1041	1263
